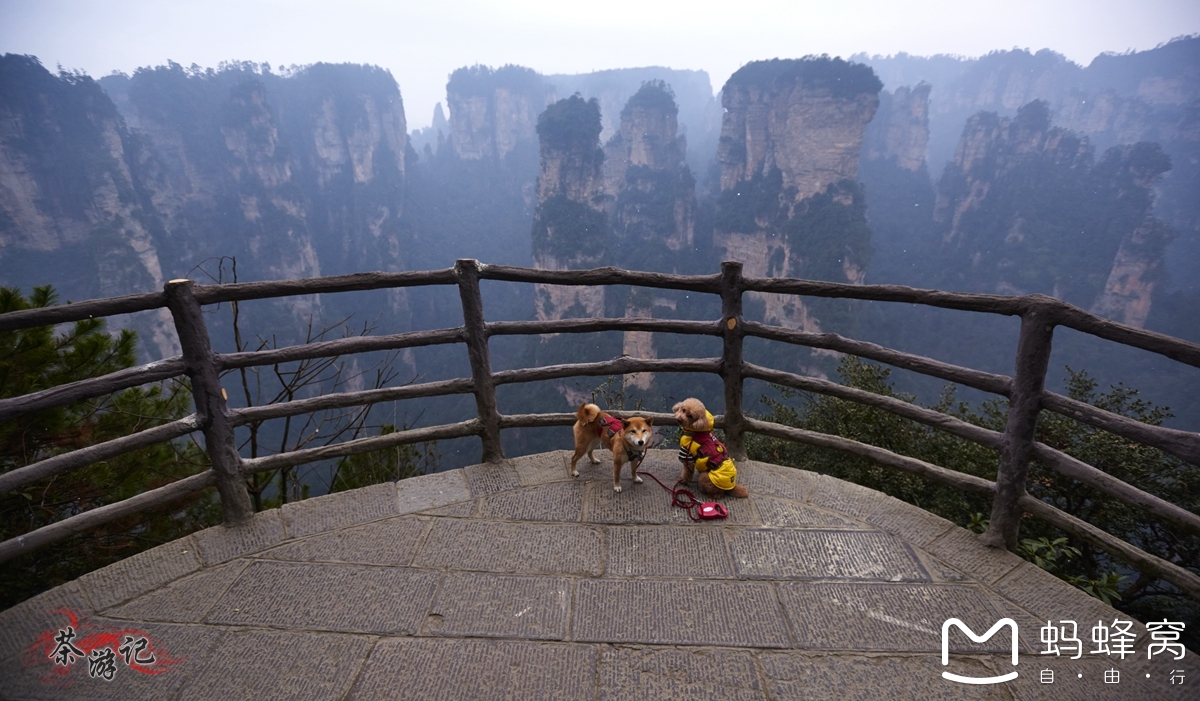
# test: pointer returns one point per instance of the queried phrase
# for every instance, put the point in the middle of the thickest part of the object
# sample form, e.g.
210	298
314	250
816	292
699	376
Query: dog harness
612	423
709	455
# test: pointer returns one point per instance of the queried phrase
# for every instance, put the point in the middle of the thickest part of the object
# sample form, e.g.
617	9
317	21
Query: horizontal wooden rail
57	465
506	328
1187	581
1182	444
992	304
899	407
343	400
78	311
243	291
985	381
70	393
568	419
1168	346
603	276
620	366
14	547
1058	461
361	445
1105	483
958	480
341	346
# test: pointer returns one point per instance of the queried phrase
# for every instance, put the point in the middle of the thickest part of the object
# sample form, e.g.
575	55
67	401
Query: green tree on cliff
39	358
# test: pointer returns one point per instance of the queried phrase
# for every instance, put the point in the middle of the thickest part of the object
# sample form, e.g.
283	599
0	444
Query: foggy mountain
1012	173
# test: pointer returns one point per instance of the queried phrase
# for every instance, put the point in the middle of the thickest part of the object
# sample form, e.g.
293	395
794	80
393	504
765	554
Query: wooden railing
1024	391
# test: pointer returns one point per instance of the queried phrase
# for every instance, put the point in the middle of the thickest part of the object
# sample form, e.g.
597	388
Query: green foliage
388	465
654	95
840	78
571	125
1052	218
60	124
35	359
752	204
566	228
1082	565
827	230
479	80
885	430
644	216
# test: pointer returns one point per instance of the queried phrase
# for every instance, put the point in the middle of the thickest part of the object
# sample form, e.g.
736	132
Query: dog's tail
587	413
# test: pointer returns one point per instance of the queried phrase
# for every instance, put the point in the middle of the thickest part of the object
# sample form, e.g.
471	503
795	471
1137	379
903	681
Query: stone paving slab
542	468
886	616
796	675
431	491
734	614
341	509
846	498
772	480
669	551
392	541
787	513
917	527
185	601
267	665
550	502
475	670
140	573
23	623
500	606
303	596
513	547
649	503
1068	685
961	549
484	480
463	509
634	674
177	651
220	544
818	554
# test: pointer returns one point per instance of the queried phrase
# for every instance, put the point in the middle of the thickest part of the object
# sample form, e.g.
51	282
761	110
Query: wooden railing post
1017	446
210	400
731	357
467	270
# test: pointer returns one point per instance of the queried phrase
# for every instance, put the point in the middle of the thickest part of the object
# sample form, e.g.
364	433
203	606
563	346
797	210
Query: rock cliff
73	212
900	129
570	226
112	191
493	111
789	202
652	204
1025	207
1116	99
699	112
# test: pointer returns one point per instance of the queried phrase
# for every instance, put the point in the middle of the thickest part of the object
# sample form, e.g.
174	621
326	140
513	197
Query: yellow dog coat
709	455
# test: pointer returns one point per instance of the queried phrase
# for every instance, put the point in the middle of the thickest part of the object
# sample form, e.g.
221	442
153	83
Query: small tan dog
700	451
628	440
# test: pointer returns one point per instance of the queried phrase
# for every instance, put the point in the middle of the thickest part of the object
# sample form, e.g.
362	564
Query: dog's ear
650	421
624	423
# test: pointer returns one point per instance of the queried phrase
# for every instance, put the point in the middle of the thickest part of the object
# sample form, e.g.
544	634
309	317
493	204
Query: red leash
684	499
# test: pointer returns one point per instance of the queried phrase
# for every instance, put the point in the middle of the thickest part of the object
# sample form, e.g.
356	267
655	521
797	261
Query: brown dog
700	452
628	440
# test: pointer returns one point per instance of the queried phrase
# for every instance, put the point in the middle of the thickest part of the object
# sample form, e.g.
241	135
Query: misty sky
422	42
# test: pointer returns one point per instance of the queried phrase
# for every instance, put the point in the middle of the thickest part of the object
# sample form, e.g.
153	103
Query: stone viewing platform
514	581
